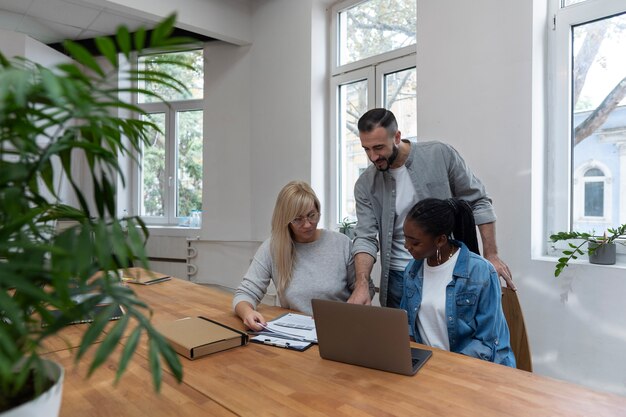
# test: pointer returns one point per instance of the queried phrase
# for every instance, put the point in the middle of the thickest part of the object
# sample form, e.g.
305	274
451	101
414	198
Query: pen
269	342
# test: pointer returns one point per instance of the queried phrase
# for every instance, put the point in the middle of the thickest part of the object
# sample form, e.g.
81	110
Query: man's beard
392	158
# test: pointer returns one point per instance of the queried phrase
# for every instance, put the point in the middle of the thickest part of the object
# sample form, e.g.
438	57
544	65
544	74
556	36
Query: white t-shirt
405	200
431	317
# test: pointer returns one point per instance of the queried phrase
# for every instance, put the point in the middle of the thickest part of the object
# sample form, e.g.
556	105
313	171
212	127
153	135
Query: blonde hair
293	200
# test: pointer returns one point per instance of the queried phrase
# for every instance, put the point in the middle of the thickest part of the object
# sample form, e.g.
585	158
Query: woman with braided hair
452	295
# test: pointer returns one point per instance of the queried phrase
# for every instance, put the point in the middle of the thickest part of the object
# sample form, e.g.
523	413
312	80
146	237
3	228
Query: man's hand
490	252
502	269
361	293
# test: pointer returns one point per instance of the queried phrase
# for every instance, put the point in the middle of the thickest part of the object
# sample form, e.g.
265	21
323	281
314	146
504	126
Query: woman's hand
253	319
250	317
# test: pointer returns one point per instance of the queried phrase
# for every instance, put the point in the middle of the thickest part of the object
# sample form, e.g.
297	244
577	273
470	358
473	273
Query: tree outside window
598	114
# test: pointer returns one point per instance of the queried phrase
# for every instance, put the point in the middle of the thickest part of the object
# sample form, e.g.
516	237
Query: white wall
227	172
480	88
264	114
14	44
17	44
281	100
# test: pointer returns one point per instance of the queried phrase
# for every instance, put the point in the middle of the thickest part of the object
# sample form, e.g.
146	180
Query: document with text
292	326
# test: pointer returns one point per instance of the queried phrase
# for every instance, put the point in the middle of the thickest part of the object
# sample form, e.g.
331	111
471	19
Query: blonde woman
304	262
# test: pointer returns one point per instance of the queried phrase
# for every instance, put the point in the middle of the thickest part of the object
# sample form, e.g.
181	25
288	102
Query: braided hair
450	217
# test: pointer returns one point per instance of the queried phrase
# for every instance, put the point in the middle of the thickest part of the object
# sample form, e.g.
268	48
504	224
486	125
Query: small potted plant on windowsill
347	227
600	249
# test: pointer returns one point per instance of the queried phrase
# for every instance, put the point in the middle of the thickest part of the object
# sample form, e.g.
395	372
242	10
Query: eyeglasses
312	217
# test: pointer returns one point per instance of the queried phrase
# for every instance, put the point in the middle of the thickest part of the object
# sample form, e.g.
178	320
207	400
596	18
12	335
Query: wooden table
258	380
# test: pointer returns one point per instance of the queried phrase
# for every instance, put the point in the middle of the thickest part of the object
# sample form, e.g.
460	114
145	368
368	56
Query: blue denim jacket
476	323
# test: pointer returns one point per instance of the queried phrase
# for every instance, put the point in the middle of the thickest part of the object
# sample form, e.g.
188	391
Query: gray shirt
437	171
323	269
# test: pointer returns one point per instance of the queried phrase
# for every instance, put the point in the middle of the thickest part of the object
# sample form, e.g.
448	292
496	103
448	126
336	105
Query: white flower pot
47	404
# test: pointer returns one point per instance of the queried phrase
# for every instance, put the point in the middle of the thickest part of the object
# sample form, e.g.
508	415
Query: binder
142	276
116	314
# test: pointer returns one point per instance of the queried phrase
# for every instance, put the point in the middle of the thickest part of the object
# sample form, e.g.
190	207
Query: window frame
373	69
373	60
559	209
171	109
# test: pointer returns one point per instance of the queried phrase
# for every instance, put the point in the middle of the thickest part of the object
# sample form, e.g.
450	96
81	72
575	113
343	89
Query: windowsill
620	261
174	231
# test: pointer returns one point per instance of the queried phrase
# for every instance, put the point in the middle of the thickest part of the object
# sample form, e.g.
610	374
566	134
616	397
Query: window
170	168
374	61
593	193
592	197
587	147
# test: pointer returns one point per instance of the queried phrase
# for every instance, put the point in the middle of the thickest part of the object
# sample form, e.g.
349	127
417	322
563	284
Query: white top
405	200
431	317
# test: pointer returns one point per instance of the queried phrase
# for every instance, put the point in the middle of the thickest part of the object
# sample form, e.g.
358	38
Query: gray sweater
323	269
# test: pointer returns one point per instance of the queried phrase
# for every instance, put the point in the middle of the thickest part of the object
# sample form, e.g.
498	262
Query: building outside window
169	180
373	65
586	153
593	196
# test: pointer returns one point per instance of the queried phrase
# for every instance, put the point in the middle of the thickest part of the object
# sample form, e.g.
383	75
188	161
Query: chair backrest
517	328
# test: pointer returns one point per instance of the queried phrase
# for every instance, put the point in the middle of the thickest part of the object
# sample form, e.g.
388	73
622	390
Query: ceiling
51	21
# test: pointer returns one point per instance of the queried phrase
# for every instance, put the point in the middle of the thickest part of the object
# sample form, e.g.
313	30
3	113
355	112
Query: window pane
401	99
189	162
352	160
599	112
565	3
375	26
594	172
191	78
594	199
153	177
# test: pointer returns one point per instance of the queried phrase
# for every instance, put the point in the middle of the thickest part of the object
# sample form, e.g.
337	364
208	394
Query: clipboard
272	340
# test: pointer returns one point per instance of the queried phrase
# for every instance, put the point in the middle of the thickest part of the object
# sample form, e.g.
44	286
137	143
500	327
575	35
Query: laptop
374	337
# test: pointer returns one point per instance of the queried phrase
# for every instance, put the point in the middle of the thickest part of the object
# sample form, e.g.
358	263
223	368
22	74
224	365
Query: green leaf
93	332
123	40
129	349
162	31
107	48
140	38
82	55
111	340
52	84
155	365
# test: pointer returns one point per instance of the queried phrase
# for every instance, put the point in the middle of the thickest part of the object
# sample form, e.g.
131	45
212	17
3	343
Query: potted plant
347	227
50	117
600	249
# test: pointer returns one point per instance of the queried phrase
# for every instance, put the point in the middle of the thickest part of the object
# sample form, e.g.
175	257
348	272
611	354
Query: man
402	174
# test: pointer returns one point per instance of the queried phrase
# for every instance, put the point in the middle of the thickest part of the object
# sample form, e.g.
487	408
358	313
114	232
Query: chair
517	328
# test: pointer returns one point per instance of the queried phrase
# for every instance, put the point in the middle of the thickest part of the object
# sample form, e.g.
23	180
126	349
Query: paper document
292	326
